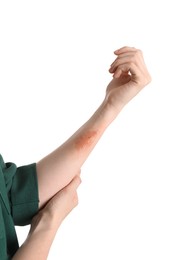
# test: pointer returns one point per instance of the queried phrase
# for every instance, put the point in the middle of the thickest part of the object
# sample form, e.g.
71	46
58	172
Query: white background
54	61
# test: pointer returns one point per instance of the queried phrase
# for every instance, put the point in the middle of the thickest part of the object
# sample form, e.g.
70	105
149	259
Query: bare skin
58	170
43	231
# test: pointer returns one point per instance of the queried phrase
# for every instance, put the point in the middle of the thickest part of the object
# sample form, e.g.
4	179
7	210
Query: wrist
39	240
44	221
110	110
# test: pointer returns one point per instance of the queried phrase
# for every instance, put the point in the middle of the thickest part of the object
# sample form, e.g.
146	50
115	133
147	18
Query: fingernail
116	51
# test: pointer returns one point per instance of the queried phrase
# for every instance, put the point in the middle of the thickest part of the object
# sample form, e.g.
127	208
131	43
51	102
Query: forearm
39	240
62	163
46	223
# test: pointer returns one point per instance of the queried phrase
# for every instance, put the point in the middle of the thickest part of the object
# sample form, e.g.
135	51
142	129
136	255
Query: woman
49	187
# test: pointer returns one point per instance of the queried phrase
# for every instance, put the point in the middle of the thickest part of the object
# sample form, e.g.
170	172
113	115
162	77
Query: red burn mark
85	140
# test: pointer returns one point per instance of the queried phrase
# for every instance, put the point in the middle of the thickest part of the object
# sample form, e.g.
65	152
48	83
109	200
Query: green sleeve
24	195
22	191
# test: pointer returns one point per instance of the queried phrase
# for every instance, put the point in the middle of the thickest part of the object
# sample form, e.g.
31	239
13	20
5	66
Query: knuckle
78	180
66	190
139	52
137	55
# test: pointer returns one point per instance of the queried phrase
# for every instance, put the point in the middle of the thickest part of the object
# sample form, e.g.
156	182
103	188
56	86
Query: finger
122	55
126	68
134	57
125	49
128	53
120	61
74	184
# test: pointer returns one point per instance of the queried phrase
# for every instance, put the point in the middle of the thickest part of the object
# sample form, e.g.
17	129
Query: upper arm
22	190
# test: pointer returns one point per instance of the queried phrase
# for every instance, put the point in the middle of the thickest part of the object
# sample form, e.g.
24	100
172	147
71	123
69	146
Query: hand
59	206
45	224
130	75
64	201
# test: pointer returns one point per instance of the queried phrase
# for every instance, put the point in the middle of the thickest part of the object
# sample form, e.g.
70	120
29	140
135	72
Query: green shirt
18	203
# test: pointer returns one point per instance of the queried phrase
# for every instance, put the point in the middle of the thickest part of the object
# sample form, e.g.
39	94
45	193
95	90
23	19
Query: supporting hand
46	223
